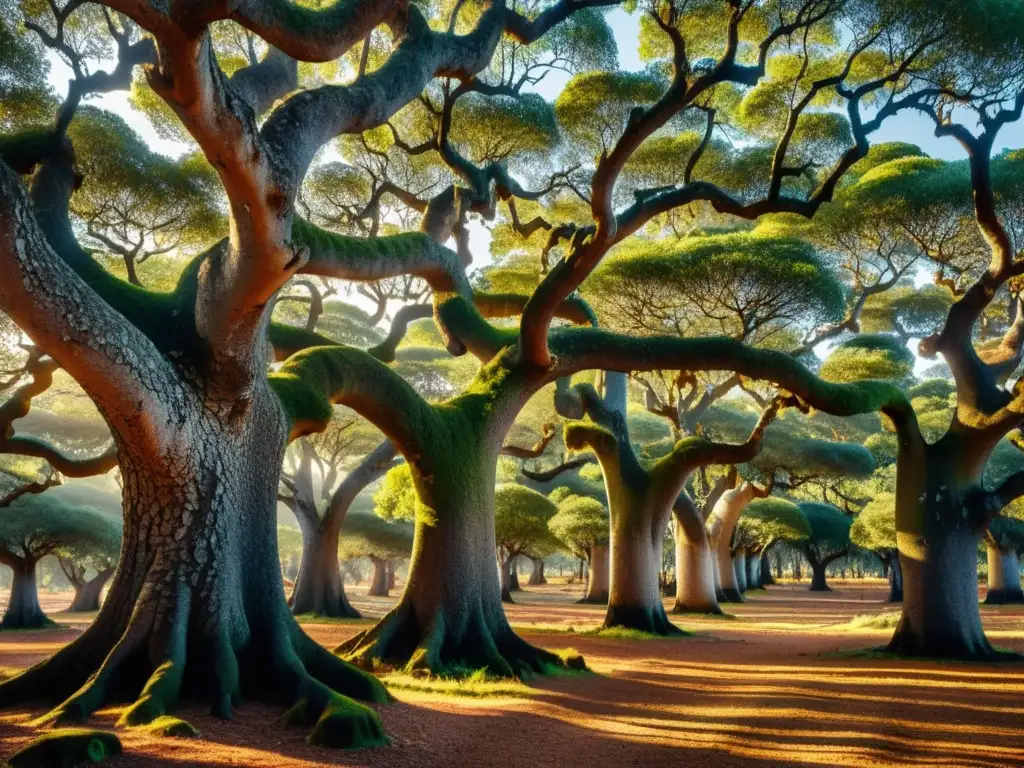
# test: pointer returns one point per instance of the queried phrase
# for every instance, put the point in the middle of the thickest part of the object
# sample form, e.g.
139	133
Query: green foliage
830	526
743	285
491	129
396	497
132	197
521	518
366	535
594	106
580	521
25	95
45	524
868	356
766	520
786	447
875	526
910	311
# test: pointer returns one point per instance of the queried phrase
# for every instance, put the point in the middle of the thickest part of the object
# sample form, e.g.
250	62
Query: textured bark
87	593
940	598
197	607
597	583
23	611
1003	576
450	615
379	580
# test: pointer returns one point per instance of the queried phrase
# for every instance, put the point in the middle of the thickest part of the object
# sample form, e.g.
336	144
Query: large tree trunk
319	586
634	598
537	572
450	614
87	594
197	605
695	568
597	585
818	581
739	568
391	574
379	580
722	524
938	549
23	611
1003	576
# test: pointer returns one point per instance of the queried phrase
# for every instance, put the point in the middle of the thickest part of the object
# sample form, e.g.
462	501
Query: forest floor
785	682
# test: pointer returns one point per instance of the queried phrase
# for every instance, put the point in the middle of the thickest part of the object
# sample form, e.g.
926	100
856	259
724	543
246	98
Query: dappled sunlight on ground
778	684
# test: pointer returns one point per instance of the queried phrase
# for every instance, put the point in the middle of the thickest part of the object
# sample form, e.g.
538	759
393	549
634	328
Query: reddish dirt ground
777	685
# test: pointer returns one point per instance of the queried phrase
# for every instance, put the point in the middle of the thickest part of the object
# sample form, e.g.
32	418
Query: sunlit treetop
364	535
580	522
868	356
521	517
134	203
741	285
772	519
875	526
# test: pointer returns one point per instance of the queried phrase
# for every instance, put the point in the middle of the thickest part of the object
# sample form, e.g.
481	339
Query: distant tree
581	525
319	587
875	530
135	204
99	558
521	518
1004	541
765	522
383	542
35	526
829	539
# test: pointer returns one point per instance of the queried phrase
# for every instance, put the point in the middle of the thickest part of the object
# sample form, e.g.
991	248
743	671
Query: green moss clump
346	724
624	633
67	748
171	726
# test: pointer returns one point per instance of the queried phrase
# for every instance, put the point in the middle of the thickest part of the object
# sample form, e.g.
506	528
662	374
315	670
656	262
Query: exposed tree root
147	665
650	619
964	646
706	610
67	748
449	647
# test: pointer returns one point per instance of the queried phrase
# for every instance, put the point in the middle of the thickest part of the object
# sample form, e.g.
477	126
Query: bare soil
779	684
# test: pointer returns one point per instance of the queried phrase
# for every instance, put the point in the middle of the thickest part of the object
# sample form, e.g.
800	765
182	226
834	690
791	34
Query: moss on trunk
450	618
197	608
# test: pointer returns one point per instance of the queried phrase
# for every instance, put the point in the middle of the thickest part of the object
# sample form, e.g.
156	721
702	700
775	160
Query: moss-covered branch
310	382
579	349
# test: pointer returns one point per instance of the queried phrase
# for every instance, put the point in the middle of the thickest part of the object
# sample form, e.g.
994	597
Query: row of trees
435	114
